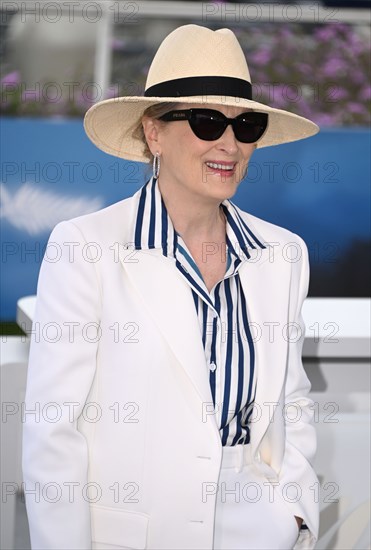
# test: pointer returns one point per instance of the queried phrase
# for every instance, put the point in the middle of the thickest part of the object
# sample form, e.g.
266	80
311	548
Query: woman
166	414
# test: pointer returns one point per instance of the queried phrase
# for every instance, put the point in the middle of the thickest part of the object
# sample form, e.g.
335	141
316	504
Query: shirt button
212	367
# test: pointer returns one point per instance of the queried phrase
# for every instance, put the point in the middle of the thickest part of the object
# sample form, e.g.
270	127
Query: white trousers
251	513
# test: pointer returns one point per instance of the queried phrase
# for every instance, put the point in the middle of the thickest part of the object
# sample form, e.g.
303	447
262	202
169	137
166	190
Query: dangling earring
156	165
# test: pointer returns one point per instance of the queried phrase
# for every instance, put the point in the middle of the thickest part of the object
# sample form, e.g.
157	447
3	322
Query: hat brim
109	123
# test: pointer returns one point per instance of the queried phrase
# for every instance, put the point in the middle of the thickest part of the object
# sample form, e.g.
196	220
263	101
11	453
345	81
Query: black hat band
202	86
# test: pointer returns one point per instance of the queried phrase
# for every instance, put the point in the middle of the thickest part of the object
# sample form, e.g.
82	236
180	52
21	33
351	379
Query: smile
217	166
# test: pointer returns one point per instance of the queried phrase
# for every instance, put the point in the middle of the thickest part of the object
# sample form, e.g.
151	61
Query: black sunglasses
209	125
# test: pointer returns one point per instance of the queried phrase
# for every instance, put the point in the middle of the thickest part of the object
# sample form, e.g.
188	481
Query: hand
299	521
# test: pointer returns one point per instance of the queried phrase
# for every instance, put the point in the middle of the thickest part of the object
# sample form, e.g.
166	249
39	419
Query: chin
222	195
225	189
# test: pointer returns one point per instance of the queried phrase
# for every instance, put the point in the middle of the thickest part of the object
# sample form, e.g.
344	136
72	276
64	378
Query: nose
227	141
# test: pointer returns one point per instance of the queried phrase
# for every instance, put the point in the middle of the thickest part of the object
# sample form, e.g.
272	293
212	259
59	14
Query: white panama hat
193	64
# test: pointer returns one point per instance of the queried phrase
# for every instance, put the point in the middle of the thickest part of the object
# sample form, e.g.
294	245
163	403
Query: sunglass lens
207	126
249	128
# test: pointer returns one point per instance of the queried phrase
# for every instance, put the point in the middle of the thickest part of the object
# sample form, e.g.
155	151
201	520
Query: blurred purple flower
333	31
258	78
304	68
286	33
304	109
11	78
325	119
342	27
261	57
355	48
334	67
281	95
325	33
81	100
358	77
356	108
365	93
337	93
282	70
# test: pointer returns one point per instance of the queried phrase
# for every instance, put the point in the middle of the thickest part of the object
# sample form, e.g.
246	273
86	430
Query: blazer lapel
267	302
168	299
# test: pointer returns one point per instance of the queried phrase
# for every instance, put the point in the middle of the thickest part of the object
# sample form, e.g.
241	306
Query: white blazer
120	440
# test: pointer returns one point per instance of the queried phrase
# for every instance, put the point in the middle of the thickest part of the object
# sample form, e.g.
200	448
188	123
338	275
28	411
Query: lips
221	165
225	169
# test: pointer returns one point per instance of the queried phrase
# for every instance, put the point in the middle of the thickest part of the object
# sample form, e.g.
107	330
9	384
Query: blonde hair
154	111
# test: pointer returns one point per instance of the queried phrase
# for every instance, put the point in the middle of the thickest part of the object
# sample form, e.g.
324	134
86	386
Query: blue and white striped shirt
222	312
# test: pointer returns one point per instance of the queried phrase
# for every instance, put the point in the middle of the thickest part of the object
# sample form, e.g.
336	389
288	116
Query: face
208	170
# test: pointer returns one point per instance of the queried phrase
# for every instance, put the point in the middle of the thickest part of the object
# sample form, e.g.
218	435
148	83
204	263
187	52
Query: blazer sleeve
297	476
61	369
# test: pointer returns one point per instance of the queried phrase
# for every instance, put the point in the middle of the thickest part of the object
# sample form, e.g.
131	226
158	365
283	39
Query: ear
151	132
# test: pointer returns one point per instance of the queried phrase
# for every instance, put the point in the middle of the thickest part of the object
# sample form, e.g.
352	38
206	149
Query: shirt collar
153	227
